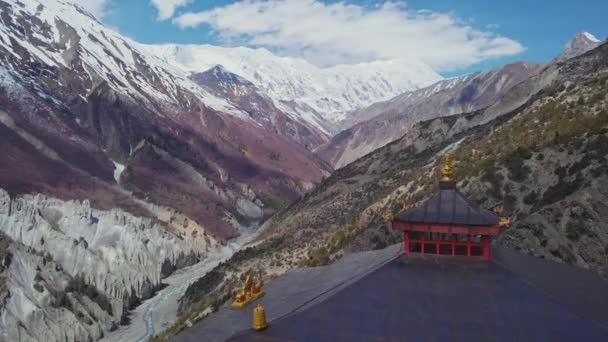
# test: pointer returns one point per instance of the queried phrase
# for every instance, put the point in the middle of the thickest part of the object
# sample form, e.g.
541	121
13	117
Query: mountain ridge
320	96
375	126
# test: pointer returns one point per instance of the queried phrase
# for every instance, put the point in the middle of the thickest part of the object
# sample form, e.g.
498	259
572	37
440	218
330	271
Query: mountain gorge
118	167
123	163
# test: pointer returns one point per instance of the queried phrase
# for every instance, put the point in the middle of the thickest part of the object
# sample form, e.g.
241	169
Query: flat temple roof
514	297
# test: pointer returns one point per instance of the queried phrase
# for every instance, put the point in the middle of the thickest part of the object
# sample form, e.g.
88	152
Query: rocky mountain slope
539	153
89	114
321	97
248	97
383	122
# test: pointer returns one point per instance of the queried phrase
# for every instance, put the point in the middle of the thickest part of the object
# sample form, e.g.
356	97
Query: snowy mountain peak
579	44
320	96
221	74
55	34
590	37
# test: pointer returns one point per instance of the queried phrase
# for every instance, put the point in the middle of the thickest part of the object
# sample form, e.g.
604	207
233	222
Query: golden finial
505	222
388	216
406	206
259	318
448	173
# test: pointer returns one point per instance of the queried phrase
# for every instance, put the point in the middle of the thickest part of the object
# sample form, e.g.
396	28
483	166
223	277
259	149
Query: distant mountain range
383	122
321	97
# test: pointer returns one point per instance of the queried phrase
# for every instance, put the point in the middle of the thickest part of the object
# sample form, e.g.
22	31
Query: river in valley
158	313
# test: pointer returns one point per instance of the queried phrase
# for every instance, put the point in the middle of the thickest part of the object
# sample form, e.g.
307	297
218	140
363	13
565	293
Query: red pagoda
447	223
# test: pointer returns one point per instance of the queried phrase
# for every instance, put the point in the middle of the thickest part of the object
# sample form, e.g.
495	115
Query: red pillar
453	244
468	244
437	241
486	247
406	242
422	243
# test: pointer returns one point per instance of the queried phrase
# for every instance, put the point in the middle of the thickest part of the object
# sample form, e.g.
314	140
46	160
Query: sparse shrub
275	156
581	101
561	172
560	190
518	170
575	231
530	198
579	165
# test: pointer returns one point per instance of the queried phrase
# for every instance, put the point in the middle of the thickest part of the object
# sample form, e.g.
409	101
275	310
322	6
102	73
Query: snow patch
591	37
118	169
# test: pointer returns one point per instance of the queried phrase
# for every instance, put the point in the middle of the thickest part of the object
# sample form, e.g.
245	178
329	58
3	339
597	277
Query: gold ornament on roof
505	222
406	206
259	318
448	172
250	291
388	216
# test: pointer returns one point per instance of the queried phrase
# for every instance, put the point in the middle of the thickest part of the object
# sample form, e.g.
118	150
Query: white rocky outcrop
76	269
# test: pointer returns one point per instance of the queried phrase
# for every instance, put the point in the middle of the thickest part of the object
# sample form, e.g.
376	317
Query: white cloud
166	8
97	7
328	34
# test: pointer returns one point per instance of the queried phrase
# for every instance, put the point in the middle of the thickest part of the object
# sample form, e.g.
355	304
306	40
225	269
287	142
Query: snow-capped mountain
54	35
322	97
581	43
381	123
384	122
257	105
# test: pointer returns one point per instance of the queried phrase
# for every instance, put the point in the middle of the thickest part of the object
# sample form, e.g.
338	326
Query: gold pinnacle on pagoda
448	172
259	318
388	216
505	222
250	291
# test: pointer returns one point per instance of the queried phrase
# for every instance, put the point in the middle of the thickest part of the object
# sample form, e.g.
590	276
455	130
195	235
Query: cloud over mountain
166	8
329	34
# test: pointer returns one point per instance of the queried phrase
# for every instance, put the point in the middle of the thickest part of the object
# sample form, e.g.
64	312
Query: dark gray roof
514	297
449	206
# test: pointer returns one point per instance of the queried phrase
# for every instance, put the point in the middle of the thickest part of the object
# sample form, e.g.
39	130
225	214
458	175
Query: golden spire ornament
448	172
505	222
388	216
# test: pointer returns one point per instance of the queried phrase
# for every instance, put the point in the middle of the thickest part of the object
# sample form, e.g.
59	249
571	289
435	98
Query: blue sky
532	30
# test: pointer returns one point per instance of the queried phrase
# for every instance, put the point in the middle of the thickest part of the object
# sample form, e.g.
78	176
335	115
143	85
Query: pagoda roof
449	206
